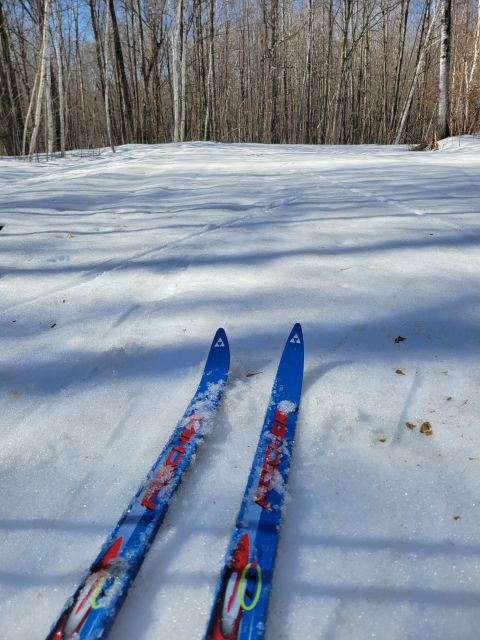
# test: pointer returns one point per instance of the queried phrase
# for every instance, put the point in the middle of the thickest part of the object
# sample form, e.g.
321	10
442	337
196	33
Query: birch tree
41	73
444	69
294	71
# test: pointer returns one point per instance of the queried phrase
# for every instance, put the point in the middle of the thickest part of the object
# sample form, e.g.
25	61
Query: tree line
91	73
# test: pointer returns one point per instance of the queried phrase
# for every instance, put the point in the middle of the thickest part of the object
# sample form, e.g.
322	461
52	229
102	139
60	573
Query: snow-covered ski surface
91	611
115	272
240	605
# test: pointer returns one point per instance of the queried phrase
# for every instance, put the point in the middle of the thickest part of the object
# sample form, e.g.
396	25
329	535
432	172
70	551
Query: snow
116	272
286	407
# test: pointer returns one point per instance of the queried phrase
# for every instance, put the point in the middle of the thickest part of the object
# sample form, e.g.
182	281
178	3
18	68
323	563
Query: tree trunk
399	61
41	80
10	93
443	129
98	43
471	75
128	124
177	71
48	105
183	85
61	93
422	47
209	129
106	58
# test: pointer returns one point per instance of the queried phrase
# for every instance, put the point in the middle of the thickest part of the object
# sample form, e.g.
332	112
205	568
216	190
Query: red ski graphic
242	581
87	599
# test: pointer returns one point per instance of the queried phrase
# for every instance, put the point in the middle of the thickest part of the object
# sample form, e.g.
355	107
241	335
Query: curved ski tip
296	335
220	340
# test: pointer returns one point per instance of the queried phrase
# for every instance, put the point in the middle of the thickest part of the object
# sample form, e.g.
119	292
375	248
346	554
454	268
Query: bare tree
209	128
422	48
177	55
106	58
127	119
295	71
58	46
48	107
470	75
9	93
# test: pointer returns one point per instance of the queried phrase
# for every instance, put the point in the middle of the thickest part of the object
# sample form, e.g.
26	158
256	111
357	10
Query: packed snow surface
116	271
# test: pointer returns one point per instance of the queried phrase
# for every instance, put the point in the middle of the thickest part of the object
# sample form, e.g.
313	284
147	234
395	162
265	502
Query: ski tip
218	361
220	341
296	335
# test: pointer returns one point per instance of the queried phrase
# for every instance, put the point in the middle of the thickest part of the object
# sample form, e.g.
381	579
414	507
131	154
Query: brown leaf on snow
399	372
426	429
382	439
410	426
457	517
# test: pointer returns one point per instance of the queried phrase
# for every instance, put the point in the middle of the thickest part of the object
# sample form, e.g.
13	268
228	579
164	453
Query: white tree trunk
41	81
28	117
444	70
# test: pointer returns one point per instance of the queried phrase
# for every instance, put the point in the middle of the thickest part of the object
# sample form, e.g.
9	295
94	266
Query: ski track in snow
116	271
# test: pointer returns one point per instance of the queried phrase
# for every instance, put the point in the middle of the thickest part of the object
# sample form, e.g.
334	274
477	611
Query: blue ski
240	605
90	612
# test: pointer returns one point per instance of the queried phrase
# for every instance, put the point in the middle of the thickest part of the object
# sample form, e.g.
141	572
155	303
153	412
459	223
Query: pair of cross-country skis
240	604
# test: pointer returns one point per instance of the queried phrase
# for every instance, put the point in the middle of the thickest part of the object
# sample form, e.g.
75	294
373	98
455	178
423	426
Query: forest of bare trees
91	73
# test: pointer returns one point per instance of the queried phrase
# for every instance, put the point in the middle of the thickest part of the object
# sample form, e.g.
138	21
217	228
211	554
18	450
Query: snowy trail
117	269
